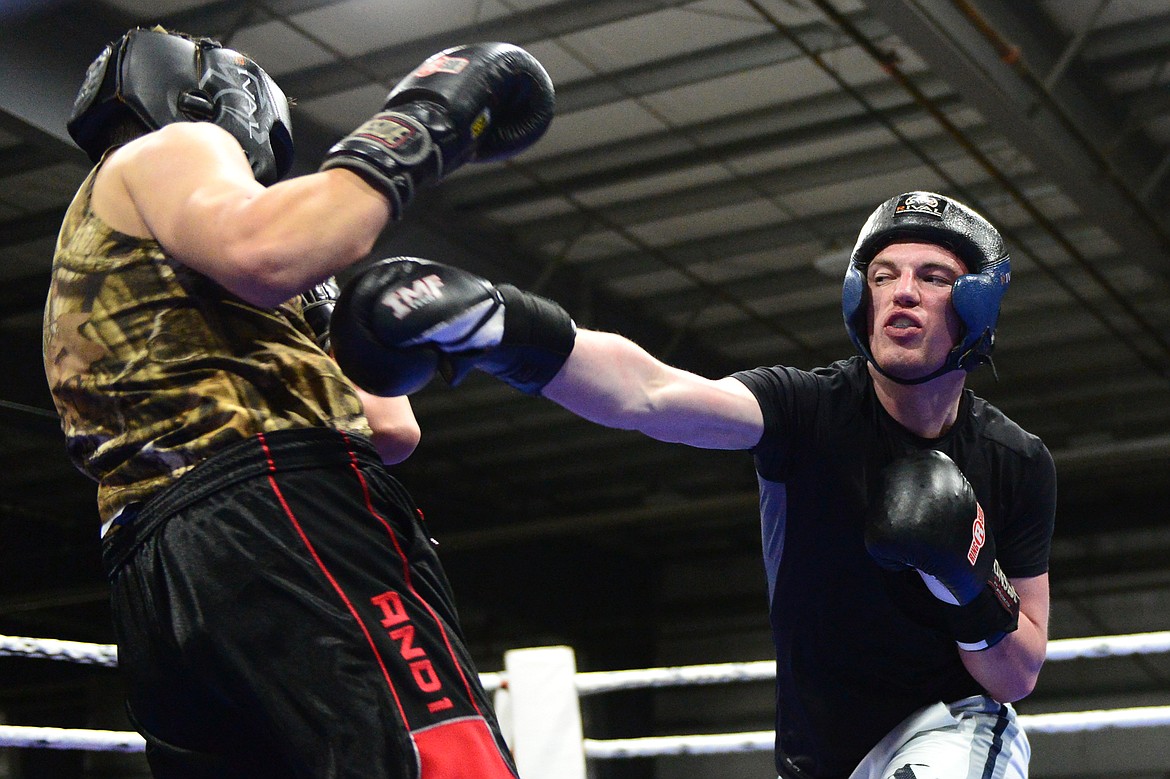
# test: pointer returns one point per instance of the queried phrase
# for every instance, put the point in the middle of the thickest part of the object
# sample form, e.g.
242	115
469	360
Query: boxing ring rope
546	675
52	649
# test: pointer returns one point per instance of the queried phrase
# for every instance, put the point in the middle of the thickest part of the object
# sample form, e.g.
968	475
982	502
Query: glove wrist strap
985	621
393	152
538	338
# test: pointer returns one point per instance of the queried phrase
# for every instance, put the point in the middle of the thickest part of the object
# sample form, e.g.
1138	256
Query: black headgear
158	78
929	218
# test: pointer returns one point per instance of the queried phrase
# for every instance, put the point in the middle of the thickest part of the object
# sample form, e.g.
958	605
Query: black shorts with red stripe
280	612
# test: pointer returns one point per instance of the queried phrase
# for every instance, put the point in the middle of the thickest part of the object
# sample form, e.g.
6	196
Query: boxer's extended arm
401	320
610	380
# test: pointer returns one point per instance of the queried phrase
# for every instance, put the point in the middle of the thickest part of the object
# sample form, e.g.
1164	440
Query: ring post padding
502	703
547	738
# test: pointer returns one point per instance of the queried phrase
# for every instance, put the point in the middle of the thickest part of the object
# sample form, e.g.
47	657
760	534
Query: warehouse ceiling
709	165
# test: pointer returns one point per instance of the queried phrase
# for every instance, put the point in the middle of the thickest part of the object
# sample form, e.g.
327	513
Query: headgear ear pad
927	217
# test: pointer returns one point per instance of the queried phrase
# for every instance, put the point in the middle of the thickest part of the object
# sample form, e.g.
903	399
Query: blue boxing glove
400	321
481	102
923	515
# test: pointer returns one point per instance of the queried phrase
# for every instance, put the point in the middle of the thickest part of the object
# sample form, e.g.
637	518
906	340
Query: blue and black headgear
153	78
925	217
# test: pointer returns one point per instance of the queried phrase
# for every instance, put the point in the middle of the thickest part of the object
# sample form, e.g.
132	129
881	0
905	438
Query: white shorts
975	738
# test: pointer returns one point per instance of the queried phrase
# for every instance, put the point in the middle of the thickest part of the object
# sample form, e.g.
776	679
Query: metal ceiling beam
523	27
754	132
705	64
1054	139
723	245
1129	45
217	18
41	80
702	64
1074	47
770	183
1094	108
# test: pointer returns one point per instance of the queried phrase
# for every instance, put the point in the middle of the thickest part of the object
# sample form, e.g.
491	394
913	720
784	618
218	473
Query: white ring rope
1071	721
607	681
1109	646
655	746
52	649
60	738
764	740
590	683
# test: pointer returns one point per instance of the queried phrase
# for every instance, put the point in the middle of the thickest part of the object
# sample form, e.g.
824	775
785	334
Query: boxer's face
912	324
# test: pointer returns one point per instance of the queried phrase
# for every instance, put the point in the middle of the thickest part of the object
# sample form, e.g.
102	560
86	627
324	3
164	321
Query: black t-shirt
858	648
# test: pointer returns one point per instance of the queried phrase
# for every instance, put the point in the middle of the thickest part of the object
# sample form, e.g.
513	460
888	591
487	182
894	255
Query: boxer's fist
484	101
383	315
923	515
401	320
497	99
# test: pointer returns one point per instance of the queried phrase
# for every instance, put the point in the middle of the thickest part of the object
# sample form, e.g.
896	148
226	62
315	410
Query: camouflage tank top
154	367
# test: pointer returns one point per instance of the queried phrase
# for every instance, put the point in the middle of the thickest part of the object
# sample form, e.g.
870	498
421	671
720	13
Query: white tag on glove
938	589
479	327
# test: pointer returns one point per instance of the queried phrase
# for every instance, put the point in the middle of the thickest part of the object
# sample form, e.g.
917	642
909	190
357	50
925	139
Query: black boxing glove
400	321
481	102
923	515
317	308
